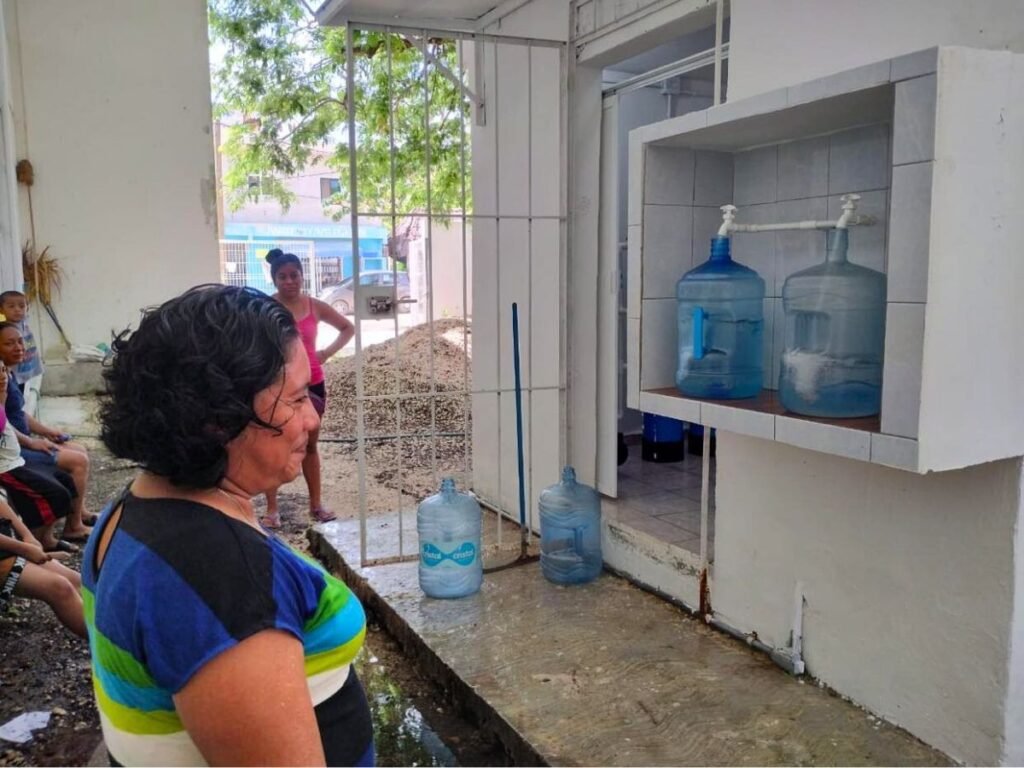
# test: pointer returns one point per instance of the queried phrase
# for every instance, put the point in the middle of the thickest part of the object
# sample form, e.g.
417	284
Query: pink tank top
307	330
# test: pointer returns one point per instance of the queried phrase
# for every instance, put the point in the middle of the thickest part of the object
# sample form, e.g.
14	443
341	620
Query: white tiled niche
894	133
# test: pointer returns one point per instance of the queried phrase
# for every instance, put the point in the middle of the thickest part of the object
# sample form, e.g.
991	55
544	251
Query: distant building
306	228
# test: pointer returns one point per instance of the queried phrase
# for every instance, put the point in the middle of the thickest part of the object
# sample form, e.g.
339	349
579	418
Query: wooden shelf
768	402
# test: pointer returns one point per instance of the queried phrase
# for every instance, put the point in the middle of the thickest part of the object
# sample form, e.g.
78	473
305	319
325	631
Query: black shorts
40	495
318	393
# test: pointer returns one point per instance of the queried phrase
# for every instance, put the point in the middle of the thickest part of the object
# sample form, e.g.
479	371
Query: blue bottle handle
698	333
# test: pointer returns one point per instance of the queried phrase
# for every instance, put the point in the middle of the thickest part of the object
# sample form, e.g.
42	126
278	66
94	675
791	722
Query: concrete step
605	673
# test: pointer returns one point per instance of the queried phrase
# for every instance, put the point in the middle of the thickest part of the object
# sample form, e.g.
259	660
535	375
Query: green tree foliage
281	80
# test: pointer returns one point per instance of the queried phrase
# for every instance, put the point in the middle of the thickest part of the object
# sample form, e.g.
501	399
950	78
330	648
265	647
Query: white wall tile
714	178
768	358
485	303
909	232
859	160
901	382
778	341
738	420
635	203
825	438
514	242
545	456
546	124
706	221
668	178
513	135
798	249
634	271
867	244
543	305
659	351
898	452
756	177
486	456
507	446
769	101
680	408
915	64
756	249
667	248
803	168
664	129
632	357
848	81
914	123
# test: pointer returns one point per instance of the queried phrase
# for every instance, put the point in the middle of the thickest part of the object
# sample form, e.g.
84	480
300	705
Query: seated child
27	571
14	306
50	448
41	498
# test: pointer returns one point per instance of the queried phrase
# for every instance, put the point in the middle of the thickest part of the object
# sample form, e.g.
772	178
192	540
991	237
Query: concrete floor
607	674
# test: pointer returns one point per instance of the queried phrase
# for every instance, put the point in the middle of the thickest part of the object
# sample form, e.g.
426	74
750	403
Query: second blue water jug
835	337
721	328
570	531
449	525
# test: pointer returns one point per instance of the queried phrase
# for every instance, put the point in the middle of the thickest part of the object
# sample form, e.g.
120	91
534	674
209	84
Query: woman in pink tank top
286	272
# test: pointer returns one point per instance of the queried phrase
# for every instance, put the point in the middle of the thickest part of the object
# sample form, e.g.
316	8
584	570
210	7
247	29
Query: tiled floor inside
663	500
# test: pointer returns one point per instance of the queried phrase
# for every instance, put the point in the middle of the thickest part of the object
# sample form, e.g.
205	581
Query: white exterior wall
912	582
112	106
516	166
908	580
784	42
10	235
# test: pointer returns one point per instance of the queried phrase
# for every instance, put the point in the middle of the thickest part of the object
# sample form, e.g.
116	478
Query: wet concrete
607	674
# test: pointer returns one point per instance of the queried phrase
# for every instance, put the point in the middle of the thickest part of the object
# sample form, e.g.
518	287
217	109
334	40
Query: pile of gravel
435	425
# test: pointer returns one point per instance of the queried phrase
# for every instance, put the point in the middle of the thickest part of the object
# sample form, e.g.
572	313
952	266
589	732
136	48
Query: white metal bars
465	218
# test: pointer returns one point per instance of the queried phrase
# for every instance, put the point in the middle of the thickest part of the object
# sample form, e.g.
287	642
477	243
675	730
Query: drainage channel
414	722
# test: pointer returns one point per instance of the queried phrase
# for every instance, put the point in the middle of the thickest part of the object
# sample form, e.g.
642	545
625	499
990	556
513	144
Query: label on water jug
432	556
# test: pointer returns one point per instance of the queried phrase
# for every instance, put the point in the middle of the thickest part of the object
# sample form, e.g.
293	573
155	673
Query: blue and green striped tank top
179	584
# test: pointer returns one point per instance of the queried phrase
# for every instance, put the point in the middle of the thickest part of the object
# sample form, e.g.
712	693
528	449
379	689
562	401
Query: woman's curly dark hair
182	386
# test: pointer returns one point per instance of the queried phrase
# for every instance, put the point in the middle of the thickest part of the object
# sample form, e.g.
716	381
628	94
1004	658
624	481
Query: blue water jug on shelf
721	326
570	531
834	334
449	526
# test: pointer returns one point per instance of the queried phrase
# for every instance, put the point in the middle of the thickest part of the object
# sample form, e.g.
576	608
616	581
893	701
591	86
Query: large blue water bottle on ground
570	531
834	335
663	439
721	327
448	524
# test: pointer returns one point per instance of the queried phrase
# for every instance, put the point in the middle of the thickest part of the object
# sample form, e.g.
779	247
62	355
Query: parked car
342	295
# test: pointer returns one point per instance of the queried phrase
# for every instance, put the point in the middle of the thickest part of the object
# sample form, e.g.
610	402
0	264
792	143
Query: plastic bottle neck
568	475
448	486
836	243
720	249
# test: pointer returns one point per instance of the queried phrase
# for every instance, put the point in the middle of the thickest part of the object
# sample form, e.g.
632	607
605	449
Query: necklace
244	514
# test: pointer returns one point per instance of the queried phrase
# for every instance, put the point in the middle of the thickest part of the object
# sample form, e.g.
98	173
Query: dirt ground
44	667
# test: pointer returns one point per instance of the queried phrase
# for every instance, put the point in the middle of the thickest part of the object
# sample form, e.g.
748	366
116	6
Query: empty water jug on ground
834	337
570	531
721	328
448	524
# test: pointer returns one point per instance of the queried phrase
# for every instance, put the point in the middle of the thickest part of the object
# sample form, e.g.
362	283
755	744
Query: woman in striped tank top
286	272
213	642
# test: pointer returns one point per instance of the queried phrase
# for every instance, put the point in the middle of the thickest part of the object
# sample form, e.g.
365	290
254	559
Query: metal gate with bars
511	194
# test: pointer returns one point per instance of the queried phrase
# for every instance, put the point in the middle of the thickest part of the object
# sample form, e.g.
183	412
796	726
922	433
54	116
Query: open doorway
657	477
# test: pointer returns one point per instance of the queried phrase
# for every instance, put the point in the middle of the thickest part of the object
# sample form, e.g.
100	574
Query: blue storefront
331	244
